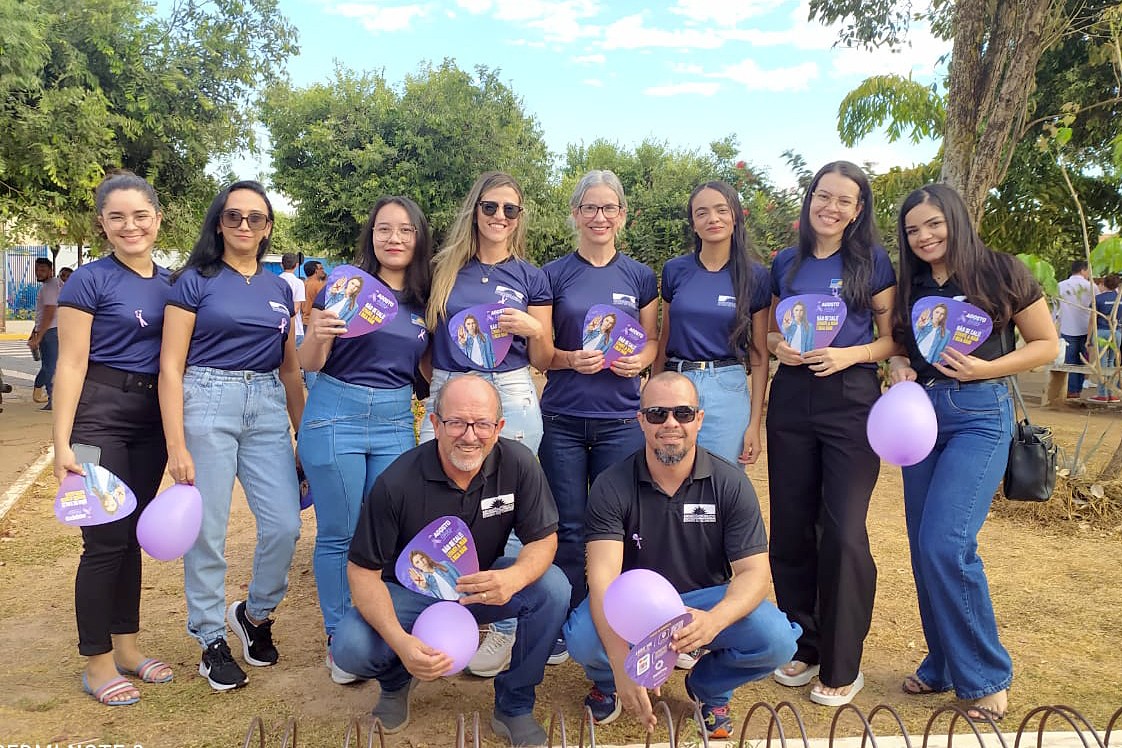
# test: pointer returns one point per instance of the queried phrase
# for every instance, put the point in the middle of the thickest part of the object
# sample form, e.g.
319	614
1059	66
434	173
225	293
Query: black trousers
120	413
821	473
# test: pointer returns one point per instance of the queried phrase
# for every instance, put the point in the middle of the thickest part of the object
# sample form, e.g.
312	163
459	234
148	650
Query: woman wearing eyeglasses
109	321
715	320
229	387
589	410
359	416
821	469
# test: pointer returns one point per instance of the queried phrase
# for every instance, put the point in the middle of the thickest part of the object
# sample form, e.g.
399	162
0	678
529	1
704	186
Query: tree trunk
992	73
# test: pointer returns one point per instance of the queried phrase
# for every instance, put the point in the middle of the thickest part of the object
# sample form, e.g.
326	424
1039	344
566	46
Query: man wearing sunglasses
676	509
495	485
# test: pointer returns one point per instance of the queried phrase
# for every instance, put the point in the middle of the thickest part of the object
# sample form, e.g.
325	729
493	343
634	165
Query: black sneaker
558	653
219	668
257	639
392	708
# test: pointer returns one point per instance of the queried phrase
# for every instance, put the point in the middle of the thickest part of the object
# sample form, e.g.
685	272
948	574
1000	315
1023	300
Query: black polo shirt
692	537
509	492
923	285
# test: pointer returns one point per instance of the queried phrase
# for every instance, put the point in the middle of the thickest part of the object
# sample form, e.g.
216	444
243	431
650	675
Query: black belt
127	381
678	365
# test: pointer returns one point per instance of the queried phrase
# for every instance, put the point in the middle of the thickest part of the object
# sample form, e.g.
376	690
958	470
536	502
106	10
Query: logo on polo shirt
278	307
508	295
723	300
699	512
622	299
497	505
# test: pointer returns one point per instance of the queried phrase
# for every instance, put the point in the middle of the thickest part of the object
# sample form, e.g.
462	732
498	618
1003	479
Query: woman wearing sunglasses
821	469
359	416
589	409
229	387
715	319
483	261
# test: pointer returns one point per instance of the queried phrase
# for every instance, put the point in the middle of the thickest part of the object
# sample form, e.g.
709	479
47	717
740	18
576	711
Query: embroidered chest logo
638	540
836	286
419	321
497	505
699	512
508	295
139	314
283	326
625	300
724	300
278	307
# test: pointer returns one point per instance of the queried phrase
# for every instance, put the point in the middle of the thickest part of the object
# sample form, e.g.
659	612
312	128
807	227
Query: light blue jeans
1109	359
349	435
946	500
723	395
521	409
235	424
750	649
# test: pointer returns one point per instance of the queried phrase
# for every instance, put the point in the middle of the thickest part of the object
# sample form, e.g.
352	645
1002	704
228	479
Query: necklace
489	268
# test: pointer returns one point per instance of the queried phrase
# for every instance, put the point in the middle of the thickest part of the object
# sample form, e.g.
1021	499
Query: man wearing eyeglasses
494	485
676	509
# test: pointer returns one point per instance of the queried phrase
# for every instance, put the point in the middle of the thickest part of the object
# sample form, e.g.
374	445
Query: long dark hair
206	255
992	281
418	276
858	239
742	261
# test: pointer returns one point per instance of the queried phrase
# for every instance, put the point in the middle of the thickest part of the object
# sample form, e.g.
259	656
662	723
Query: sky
684	73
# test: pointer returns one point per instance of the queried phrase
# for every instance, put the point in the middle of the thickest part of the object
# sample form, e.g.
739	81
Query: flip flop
838	699
146	669
106	693
913	686
981	713
794	681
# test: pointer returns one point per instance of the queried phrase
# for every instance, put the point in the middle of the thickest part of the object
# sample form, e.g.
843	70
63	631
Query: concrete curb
19	488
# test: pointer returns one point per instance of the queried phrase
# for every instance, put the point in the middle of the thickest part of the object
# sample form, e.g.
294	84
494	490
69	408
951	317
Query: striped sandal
146	669
115	687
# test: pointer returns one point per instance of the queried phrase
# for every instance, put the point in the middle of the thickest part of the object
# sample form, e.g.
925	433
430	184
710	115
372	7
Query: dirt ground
1056	590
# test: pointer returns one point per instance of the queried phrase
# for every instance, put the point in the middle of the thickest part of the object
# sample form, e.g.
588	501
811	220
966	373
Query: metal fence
19	270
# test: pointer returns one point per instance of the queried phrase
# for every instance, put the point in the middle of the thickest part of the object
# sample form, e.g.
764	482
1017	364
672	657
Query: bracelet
869	352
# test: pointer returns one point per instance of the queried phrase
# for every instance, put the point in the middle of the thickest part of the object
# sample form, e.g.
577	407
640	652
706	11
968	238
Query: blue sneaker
559	653
717	719
605	706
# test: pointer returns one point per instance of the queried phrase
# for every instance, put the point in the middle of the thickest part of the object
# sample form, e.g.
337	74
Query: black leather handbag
1031	472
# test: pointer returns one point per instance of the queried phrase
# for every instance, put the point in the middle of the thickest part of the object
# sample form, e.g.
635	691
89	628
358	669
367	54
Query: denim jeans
236	425
48	350
574	451
1109	359
946	500
1074	353
349	435
748	650
521	409
723	395
540	608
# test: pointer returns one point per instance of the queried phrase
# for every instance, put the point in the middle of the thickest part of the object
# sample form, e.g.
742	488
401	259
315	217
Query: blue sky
685	72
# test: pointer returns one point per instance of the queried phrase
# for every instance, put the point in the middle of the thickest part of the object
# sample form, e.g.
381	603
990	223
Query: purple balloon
902	427
169	525
450	628
639	601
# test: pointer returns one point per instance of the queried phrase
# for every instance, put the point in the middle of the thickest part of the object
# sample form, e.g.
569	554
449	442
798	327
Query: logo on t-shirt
836	286
497	505
723	300
509	295
278	307
139	314
419	321
699	512
622	299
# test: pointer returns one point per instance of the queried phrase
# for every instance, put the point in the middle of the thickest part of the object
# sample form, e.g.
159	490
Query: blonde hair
462	243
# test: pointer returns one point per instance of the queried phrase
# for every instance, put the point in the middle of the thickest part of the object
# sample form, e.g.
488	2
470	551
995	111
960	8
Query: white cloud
724	12
378	18
750	75
677	89
631	32
475	7
596	59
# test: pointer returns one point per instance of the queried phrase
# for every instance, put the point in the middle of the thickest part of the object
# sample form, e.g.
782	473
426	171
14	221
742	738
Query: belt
127	381
680	366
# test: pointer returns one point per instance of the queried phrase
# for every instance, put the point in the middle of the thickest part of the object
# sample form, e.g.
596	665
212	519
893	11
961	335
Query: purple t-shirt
514	283
703	307
384	359
824	276
626	284
127	309
239	326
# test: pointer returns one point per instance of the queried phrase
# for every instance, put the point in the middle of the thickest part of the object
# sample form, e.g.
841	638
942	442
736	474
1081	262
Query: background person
1105	320
288	275
359	417
44	335
1076	301
948	495
110	322
229	387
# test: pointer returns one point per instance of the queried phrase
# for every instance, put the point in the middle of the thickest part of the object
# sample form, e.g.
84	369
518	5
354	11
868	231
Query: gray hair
595	178
438	398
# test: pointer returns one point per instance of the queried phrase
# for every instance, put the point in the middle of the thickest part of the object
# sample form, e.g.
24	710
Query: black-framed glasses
510	210
588	210
457	427
232	219
657	414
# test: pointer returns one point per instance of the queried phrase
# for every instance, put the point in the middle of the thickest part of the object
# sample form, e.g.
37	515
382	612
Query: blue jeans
236	425
349	435
574	451
521	409
748	650
946	500
540	608
48	350
1074	354
723	395
1109	358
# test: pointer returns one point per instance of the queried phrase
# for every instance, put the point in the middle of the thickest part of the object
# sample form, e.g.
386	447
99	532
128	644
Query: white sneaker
493	656
338	674
686	660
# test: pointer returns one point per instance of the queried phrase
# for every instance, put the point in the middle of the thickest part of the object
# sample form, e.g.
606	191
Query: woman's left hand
518	322
957	365
752	449
826	361
627	366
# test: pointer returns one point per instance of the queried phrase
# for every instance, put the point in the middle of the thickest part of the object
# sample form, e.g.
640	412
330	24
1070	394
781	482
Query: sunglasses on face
657	415
232	219
490	208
